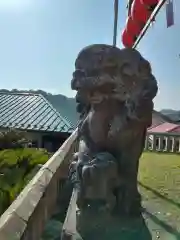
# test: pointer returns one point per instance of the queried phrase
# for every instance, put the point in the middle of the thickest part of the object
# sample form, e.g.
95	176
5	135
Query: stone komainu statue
115	90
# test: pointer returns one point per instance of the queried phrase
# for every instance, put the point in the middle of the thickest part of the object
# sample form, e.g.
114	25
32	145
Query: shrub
17	168
12	139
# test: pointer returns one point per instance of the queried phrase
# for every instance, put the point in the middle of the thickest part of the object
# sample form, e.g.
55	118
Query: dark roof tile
31	112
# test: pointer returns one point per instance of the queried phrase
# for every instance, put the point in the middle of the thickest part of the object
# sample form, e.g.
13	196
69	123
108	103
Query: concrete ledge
56	160
37	198
12	227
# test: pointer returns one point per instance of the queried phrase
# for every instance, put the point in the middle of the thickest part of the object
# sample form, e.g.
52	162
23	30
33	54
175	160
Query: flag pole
151	19
116	3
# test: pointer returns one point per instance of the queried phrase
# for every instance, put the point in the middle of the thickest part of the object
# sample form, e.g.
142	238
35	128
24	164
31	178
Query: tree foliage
12	139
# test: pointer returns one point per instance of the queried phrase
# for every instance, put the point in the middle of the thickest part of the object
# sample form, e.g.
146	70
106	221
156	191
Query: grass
159	181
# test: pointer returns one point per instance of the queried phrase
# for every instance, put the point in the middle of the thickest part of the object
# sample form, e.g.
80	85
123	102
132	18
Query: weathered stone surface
29	198
110	228
115	91
53	231
11	227
157	231
142	229
56	160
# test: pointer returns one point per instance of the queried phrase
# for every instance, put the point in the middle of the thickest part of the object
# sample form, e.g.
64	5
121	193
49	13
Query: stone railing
163	142
26	217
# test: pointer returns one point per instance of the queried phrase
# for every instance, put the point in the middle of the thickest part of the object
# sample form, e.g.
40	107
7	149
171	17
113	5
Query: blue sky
40	40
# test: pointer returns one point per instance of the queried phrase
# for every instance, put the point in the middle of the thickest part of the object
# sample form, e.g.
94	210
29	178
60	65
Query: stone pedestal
102	226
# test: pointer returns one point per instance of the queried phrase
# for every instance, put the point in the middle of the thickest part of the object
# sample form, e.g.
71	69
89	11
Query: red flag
169	13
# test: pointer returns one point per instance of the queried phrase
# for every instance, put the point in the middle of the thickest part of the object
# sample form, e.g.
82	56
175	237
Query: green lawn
159	181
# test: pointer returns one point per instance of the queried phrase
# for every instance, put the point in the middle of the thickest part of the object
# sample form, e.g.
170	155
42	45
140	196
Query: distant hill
158	118
66	106
172	114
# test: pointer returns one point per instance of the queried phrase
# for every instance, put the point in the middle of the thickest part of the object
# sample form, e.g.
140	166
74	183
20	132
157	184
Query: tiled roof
163	128
157	119
31	112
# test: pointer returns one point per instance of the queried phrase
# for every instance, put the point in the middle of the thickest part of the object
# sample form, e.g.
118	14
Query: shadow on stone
166	227
107	228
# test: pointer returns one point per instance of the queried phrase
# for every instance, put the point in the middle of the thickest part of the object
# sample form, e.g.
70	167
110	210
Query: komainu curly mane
115	91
